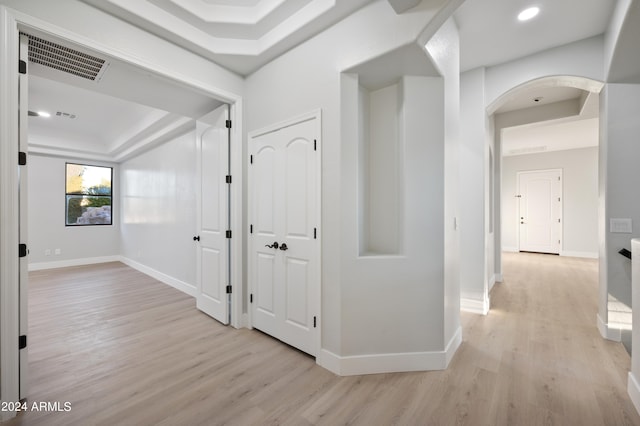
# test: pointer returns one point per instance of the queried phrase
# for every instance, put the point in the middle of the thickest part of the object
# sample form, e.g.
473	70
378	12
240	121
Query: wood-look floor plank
124	349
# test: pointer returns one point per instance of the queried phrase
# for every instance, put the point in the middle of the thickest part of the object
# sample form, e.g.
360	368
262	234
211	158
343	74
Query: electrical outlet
57	251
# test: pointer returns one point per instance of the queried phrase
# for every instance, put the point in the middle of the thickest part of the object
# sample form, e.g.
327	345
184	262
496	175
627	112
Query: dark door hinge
228	234
251	298
314	322
315	233
251	159
228	179
22	158
251	229
22	250
228	289
314	144
22	341
227	123
22	67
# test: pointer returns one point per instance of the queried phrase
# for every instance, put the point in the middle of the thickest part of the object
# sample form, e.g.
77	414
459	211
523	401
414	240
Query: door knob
196	238
275	245
284	247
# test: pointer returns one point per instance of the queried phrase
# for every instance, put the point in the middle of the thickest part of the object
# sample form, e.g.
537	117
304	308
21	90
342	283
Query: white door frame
561	223
12	20
9	220
317	115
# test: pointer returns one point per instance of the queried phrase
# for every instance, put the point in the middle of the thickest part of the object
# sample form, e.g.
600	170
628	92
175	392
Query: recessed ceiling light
528	13
43	114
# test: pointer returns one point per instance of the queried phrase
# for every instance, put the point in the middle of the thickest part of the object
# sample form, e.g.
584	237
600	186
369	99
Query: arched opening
569	104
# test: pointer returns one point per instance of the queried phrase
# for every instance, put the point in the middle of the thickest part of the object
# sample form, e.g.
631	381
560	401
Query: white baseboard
244	321
633	389
389	363
161	276
609	332
498	278
474	306
511	249
492	281
584	254
452	346
72	262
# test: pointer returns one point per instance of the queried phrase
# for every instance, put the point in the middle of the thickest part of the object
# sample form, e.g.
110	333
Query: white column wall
633	380
444	48
473	278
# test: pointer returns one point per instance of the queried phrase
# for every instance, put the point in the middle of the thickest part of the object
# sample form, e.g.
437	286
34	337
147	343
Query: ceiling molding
240	38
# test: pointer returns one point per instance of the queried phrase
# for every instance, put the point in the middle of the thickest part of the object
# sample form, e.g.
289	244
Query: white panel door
284	251
212	259
22	194
540	212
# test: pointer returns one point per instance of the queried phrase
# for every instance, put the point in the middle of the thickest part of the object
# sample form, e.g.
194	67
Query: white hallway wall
580	198
46	219
158	212
366	301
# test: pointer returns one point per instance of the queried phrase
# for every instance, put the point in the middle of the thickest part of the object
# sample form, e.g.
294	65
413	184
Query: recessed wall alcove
379	170
379	102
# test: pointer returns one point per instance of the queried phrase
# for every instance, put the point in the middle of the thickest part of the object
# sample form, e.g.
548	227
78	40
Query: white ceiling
490	33
245	34
575	125
118	115
537	96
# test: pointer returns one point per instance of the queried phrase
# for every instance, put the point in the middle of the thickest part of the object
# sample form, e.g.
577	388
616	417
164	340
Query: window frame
67	194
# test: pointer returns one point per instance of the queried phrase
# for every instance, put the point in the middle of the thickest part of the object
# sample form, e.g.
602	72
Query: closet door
284	246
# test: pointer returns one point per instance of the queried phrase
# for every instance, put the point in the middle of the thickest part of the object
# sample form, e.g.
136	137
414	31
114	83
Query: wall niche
379	170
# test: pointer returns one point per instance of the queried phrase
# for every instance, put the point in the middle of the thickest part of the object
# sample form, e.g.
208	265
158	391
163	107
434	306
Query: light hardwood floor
124	349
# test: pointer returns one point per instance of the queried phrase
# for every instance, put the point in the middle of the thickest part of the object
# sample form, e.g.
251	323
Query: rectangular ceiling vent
64	59
527	150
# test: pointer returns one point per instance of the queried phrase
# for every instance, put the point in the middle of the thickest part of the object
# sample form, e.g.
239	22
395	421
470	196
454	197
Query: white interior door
284	244
22	197
540	212
212	259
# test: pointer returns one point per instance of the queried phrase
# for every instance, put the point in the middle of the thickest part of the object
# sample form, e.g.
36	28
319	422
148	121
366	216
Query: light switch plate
620	225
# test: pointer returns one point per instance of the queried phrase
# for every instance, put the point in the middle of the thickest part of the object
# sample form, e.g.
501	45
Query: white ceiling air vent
527	150
64	59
